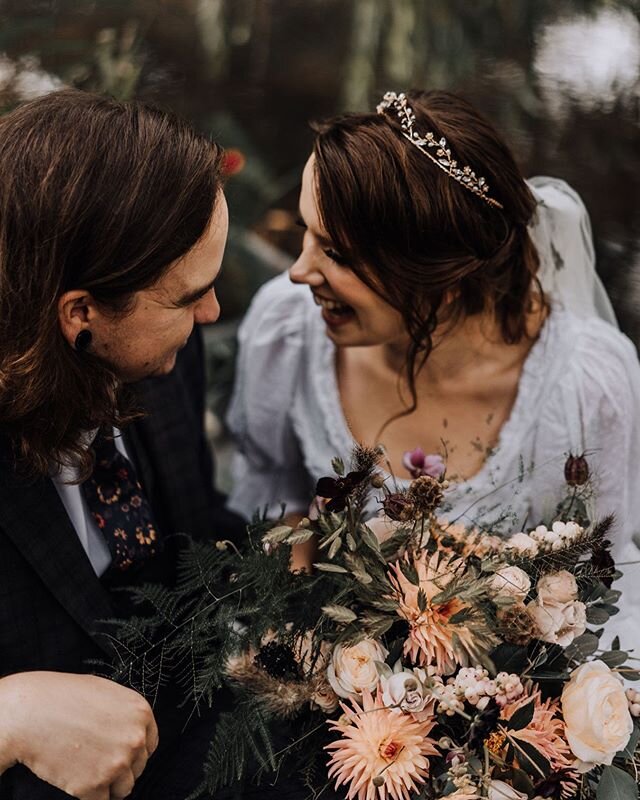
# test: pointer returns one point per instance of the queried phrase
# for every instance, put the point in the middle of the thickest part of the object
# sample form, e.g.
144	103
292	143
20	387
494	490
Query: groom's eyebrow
196	294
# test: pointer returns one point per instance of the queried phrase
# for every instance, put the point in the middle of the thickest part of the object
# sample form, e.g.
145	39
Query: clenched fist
85	735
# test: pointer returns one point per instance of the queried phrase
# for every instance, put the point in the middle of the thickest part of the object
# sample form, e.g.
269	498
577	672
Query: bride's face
354	314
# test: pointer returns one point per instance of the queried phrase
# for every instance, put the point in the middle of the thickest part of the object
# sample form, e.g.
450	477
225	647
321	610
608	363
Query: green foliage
243	622
616	784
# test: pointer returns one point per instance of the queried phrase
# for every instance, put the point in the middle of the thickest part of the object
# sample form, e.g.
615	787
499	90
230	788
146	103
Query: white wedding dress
579	392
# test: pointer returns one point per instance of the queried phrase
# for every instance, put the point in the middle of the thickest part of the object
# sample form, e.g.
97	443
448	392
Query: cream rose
406	690
596	714
511	582
499	790
353	669
557	588
324	697
558	624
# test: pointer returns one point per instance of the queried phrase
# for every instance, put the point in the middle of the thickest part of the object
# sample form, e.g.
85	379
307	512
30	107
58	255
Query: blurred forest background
560	79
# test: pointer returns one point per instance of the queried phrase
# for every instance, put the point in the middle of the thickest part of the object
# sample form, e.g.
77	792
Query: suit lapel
34	518
165	439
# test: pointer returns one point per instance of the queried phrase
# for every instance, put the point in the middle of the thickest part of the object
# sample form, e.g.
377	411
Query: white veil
561	232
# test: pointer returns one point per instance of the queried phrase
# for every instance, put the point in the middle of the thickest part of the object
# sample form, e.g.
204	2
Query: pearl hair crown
465	176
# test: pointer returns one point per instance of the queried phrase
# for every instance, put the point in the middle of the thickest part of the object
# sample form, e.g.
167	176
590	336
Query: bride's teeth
330	305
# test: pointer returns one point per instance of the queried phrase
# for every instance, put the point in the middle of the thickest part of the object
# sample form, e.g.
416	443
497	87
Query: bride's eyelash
328	251
335	256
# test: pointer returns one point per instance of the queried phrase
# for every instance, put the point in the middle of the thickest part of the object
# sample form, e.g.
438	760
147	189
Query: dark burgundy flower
397	506
552	785
576	470
337	490
603	563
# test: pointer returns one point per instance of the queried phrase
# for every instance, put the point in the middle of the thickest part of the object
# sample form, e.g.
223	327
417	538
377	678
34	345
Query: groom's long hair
97	195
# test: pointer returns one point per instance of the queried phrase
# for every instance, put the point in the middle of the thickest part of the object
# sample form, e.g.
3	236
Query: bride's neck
474	343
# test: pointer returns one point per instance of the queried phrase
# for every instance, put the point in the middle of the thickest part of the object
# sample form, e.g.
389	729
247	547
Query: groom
112	232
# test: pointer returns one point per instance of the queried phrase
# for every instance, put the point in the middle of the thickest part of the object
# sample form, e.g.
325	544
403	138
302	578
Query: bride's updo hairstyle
434	250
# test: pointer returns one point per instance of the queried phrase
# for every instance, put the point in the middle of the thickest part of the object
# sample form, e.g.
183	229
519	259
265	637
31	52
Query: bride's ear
76	311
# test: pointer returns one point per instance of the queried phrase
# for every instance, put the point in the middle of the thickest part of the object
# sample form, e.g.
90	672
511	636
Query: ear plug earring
83	340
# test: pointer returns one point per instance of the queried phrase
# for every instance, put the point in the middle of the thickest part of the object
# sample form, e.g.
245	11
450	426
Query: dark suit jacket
50	597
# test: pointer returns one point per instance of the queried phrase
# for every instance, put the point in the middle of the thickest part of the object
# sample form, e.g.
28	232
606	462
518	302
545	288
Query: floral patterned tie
118	504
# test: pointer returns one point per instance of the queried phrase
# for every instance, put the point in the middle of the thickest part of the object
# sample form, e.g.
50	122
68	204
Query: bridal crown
464	175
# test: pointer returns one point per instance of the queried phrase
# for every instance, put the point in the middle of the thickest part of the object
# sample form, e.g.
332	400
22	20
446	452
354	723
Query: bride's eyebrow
324	240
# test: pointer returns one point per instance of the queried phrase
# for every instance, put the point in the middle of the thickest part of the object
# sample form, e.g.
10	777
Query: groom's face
145	342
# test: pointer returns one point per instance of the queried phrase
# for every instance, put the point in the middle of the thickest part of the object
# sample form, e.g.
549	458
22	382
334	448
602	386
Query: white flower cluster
634	702
473	685
559	536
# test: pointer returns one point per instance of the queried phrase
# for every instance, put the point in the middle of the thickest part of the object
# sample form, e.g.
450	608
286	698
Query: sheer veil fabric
561	232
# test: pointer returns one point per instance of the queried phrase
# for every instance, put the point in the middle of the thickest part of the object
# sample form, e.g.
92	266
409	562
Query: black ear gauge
83	340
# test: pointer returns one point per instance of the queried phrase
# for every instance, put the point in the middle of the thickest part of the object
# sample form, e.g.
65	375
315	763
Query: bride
440	301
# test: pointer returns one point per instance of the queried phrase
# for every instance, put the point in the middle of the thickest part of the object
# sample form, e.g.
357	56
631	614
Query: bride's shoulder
591	339
597	361
279	311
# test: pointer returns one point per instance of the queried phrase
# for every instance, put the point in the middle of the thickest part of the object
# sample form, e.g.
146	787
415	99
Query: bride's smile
355	315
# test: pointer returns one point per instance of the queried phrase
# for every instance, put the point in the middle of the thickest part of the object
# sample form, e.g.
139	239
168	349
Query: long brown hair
96	195
417	237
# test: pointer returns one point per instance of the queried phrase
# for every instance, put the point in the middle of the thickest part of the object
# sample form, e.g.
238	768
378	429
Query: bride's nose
305	271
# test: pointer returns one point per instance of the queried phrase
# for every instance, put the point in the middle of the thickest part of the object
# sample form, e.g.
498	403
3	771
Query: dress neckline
522	416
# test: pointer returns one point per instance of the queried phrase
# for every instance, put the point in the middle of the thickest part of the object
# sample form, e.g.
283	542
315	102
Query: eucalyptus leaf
596	615
584	645
632	744
616	784
614	658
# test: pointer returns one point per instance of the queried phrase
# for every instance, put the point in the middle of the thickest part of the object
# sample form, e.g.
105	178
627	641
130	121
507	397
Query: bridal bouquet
420	659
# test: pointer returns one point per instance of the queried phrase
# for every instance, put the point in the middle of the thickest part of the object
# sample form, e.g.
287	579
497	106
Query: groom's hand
85	735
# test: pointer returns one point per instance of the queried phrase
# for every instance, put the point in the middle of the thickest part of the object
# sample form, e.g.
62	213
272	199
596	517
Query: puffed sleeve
597	406
268	467
561	232
613	424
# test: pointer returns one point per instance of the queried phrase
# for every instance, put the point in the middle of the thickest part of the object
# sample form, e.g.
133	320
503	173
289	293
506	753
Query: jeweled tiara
464	175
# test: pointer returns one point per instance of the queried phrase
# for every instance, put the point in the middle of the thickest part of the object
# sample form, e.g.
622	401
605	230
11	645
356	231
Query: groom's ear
76	310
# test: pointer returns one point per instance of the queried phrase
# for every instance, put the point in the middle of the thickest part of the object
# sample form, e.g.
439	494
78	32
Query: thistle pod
576	470
398	507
